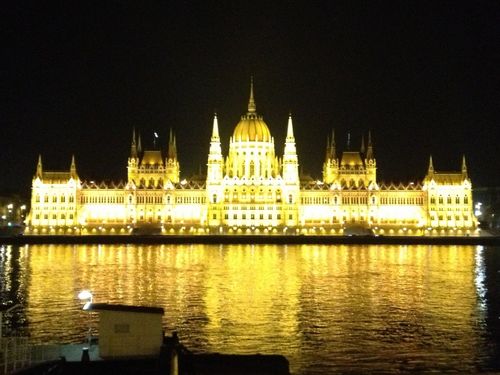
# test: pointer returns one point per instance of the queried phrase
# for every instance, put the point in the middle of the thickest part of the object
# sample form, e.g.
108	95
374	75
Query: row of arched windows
449	199
55	198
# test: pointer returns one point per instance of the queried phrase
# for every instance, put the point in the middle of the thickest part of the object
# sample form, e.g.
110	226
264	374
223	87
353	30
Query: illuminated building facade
251	191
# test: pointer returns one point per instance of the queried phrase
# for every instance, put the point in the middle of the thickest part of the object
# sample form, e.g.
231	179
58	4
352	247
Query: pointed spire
39	169
133	146
431	166
464	166
215	129
289	130
362	150
369	151
348	141
333	146
251	101
328	149
139	143
172	148
72	168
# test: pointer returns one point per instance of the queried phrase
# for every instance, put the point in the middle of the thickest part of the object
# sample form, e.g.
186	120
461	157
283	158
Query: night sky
77	78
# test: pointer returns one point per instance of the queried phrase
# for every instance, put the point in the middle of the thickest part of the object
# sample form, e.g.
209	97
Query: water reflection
327	308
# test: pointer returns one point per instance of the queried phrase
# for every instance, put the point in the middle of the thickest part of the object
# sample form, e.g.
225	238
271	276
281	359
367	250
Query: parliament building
251	190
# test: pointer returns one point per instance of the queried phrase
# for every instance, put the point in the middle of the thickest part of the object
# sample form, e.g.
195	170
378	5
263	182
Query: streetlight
82	296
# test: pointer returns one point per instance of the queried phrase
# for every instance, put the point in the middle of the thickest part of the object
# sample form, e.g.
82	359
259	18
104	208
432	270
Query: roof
56	177
152	157
125	308
252	128
351	158
448	178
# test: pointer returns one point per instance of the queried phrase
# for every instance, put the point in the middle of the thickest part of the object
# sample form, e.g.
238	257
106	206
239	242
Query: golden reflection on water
324	307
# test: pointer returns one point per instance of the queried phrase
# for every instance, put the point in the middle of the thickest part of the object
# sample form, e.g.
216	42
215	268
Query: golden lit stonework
251	191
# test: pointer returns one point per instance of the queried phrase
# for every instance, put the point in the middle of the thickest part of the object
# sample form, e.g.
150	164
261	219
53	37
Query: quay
491	240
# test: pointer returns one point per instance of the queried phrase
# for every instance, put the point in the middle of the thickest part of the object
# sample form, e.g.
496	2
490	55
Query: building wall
129	334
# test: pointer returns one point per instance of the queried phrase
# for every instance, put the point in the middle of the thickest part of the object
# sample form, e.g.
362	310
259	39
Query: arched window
440	199
457	199
466	199
214	198
433	200
37	198
448	200
252	168
290	198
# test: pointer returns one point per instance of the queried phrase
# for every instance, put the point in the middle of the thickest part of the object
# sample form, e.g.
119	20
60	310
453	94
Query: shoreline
250	239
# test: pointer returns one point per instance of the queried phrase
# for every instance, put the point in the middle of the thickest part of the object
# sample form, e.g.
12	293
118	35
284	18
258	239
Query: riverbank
252	239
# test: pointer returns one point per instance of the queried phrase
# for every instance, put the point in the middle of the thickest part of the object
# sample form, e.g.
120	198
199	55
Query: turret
464	168
330	166
369	151
39	169
172	164
430	170
72	168
133	146
290	160
370	162
215	160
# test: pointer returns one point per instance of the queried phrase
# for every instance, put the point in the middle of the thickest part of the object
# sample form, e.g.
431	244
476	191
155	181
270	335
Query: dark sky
422	76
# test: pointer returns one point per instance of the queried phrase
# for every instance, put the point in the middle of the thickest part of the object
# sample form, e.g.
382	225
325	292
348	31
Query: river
328	309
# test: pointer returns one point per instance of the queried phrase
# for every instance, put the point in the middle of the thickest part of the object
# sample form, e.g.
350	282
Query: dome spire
251	101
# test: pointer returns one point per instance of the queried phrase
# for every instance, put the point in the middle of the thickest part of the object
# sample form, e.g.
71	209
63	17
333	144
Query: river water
328	309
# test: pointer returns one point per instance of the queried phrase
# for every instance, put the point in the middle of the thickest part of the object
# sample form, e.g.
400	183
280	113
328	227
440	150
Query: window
290	216
290	198
457	200
37	199
71	199
440	199
214	198
46	199
433	200
466	199
448	200
214	216
54	199
63	199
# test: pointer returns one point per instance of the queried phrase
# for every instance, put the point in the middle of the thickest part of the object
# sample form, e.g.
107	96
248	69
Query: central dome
251	126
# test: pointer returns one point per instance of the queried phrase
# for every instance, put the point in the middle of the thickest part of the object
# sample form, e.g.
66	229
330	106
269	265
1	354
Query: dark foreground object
190	364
